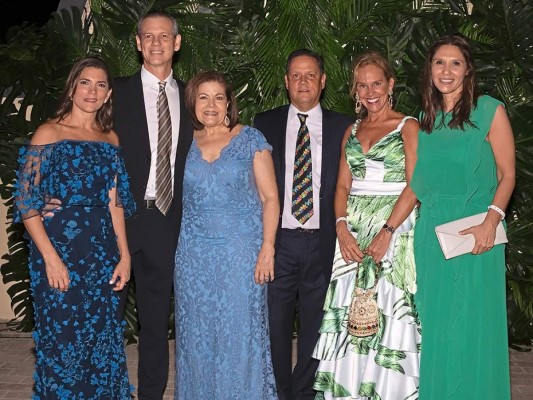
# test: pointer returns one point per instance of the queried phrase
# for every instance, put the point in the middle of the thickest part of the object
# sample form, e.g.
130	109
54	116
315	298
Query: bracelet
389	228
497	209
340	219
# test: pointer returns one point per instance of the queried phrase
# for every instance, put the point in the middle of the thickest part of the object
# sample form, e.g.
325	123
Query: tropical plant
249	41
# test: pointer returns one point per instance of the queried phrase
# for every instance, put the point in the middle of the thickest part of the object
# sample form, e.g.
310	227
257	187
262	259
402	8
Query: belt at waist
148	204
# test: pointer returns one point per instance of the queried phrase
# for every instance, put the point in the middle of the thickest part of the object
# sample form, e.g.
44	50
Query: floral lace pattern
222	337
78	338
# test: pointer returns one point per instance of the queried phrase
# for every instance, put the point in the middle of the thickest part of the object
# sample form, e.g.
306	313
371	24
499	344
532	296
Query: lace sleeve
29	193
258	141
124	197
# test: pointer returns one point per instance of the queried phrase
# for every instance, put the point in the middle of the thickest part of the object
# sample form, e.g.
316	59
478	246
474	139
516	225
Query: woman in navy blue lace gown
225	252
79	258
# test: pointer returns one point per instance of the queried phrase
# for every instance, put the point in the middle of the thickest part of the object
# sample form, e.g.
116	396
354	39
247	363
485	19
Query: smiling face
373	87
448	71
157	42
304	82
211	104
91	90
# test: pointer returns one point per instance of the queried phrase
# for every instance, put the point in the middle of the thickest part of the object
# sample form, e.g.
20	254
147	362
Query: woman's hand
57	273
264	267
348	244
484	234
121	274
379	245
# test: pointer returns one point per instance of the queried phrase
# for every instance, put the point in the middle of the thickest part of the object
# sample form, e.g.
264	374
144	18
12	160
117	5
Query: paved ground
17	360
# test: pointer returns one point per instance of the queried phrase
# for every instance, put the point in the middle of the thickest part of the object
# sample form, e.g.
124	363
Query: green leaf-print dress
383	366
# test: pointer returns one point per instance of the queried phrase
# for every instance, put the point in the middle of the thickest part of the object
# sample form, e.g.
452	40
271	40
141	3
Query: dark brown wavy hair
104	117
432	99
191	91
369	58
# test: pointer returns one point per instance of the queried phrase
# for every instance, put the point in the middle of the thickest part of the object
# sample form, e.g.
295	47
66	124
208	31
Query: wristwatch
389	228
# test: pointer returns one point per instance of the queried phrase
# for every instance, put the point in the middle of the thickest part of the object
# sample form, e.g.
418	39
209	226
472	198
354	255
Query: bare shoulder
47	132
112	137
411	125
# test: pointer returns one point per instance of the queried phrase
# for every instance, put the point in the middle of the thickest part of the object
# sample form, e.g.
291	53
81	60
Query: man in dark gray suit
153	232
305	242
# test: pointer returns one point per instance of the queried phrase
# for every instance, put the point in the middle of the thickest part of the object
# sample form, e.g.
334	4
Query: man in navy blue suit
305	242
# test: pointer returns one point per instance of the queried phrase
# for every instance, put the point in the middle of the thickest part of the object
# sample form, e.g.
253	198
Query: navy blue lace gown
222	338
78	337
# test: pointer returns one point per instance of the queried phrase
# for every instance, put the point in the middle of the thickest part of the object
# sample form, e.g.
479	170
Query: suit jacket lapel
139	127
280	125
184	138
327	150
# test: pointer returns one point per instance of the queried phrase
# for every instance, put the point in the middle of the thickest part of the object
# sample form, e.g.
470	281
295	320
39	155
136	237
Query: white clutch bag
453	244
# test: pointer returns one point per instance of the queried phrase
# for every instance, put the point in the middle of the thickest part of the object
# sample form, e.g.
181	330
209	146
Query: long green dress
461	301
383	366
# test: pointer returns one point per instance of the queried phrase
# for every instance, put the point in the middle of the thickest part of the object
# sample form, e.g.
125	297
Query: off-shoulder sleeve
258	141
124	197
30	195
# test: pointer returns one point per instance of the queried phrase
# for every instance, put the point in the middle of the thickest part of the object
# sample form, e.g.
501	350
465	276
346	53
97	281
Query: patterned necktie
163	180
302	182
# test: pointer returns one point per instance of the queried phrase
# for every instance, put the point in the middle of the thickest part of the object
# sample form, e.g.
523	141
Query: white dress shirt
150	85
314	124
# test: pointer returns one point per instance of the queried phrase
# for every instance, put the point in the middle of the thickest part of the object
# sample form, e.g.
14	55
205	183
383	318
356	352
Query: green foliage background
249	41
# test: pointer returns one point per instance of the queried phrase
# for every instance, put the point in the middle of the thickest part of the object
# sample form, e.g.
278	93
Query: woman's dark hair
104	117
192	91
369	58
432	99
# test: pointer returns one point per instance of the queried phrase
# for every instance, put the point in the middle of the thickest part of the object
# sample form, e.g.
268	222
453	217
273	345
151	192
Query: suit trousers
153	270
299	281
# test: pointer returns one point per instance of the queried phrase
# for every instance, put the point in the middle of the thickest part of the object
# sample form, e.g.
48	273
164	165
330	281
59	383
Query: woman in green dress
375	210
465	166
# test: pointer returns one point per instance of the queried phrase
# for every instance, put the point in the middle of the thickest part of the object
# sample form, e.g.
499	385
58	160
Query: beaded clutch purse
363	318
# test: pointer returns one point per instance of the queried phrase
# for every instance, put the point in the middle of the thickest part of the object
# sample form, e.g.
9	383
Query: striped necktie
163	176
302	183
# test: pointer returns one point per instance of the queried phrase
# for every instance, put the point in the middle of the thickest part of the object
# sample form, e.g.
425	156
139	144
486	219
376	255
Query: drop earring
390	98
358	104
226	120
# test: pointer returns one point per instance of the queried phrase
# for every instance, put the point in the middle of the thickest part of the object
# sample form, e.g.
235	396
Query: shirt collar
150	79
314	113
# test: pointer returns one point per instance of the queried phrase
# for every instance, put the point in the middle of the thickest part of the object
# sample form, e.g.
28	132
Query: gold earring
358	104
390	98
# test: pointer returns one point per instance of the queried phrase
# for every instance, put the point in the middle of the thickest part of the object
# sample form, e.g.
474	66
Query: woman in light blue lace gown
79	258
225	252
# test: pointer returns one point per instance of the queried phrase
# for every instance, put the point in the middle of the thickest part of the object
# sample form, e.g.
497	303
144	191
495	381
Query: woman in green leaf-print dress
374	202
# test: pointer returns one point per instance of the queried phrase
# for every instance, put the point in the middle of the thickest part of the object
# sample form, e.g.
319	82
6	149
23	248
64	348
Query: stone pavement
17	360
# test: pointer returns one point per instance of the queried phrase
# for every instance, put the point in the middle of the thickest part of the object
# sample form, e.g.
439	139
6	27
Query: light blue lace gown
222	338
78	338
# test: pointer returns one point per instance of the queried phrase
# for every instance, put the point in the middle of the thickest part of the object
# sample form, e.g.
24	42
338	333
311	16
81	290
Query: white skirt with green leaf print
384	366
